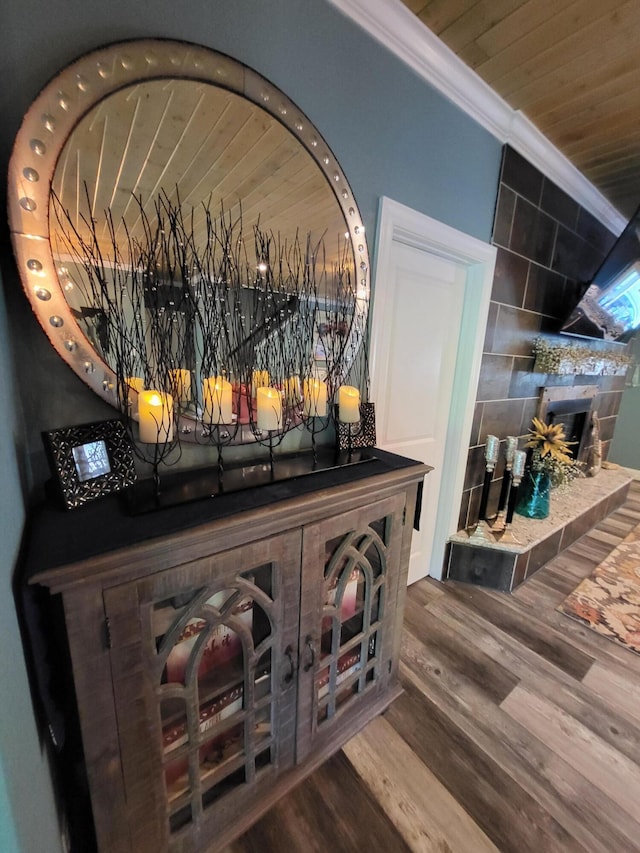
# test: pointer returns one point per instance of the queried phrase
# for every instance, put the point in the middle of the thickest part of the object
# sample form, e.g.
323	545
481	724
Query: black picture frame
89	461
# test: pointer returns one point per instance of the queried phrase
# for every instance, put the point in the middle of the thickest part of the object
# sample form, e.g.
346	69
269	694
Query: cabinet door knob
288	653
308	644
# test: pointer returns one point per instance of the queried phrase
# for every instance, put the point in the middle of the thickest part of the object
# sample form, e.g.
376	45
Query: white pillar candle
133	383
217	400
292	391
155	412
269	402
315	398
180	380
259	379
348	404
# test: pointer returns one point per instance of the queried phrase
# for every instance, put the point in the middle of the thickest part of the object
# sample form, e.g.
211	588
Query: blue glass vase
534	495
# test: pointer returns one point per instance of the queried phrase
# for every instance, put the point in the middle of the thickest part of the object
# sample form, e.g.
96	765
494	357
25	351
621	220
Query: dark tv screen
610	307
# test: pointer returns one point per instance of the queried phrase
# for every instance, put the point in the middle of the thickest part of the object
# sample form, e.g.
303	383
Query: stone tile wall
548	248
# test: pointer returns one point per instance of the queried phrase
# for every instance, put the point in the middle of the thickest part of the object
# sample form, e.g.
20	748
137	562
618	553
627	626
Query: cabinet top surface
58	539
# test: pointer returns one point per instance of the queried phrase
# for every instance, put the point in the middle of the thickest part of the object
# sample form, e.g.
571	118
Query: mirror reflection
190	245
204	254
201	148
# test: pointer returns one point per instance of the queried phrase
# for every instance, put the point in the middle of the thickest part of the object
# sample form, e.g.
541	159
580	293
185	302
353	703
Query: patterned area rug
608	601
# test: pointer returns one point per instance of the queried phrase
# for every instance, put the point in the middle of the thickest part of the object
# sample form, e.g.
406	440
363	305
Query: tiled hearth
573	514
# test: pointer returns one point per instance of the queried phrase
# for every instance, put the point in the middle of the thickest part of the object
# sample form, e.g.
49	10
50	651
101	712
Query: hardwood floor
519	730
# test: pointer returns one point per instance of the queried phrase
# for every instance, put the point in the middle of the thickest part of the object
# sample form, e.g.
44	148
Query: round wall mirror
178	168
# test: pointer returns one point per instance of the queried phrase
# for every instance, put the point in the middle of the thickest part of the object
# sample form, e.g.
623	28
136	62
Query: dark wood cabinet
217	665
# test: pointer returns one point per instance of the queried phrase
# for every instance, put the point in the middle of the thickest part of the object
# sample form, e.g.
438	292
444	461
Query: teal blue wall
392	134
625	446
27	816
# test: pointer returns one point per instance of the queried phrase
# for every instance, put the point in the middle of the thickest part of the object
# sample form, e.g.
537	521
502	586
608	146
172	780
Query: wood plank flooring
518	730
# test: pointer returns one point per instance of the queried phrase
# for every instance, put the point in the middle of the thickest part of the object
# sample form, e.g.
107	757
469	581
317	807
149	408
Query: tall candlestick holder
271	469
511	445
517	472
221	435
310	423
482	533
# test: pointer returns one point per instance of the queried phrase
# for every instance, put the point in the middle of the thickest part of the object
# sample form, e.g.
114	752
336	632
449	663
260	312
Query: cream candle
216	392
348	404
180	380
315	398
269	403
259	379
133	383
292	391
155	412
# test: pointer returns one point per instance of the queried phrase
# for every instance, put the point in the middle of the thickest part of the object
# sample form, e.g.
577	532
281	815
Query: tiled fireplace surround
548	247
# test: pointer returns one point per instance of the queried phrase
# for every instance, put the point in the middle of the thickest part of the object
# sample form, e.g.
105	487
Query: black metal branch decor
250	336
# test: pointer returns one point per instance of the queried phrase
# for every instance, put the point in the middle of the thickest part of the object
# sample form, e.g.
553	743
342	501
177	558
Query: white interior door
420	338
431	297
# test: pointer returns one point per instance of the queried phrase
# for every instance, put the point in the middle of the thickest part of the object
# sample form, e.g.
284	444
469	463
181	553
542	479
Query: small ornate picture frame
89	461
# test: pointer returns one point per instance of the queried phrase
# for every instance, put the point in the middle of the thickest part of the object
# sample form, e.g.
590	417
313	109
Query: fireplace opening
574	408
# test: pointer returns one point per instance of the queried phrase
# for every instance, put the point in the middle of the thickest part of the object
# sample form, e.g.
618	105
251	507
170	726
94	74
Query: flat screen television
610	307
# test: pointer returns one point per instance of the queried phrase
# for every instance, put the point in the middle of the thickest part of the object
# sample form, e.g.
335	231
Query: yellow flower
550	439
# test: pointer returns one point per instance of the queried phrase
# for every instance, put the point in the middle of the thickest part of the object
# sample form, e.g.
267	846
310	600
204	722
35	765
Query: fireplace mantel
569	359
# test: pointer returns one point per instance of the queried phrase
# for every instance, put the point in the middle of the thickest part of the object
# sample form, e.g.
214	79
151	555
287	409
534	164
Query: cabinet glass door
348	648
214	689
218	670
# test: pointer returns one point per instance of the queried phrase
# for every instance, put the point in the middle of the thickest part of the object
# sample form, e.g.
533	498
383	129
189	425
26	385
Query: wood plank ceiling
571	66
198	147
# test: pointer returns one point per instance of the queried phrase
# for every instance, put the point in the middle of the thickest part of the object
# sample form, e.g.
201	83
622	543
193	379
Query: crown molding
392	24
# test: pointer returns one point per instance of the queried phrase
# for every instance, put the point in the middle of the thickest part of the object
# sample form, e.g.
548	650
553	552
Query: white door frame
400	224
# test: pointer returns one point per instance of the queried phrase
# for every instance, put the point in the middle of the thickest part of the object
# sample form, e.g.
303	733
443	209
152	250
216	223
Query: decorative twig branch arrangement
249	340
